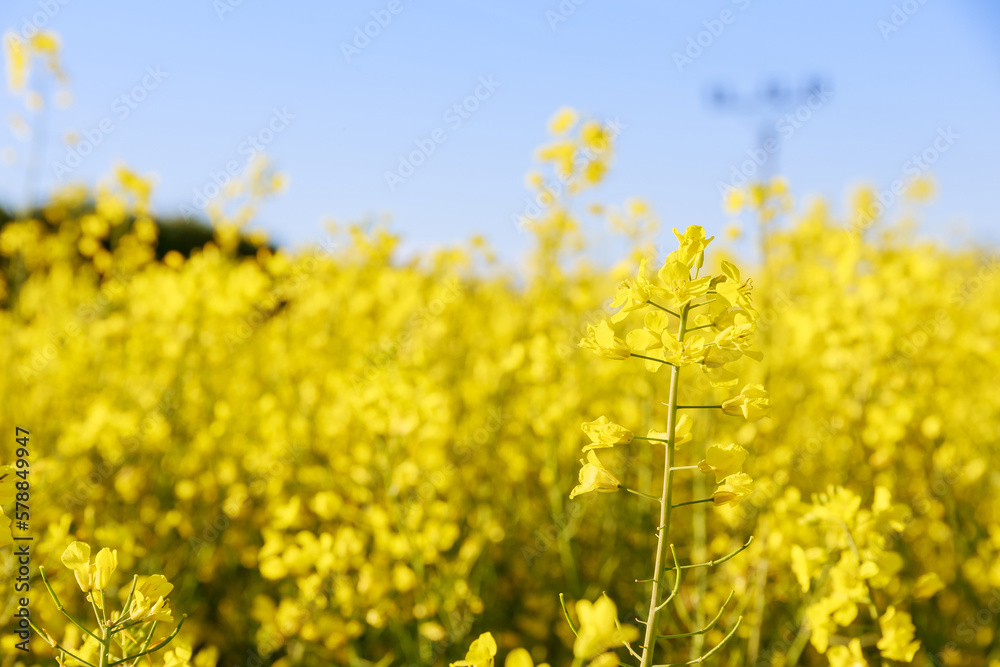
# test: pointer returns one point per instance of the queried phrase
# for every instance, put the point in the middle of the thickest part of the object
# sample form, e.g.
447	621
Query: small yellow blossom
897	641
77	558
605	433
676	278
847	656
927	585
602	341
752	403
105	563
723	461
480	653
599	629
519	657
733	489
594	477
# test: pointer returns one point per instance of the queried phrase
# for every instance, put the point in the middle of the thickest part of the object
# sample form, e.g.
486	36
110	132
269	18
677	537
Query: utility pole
769	107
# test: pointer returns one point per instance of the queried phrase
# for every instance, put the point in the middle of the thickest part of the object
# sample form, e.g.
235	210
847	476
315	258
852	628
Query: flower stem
653	359
694	502
562	601
59	604
662	535
698	407
666	310
639	493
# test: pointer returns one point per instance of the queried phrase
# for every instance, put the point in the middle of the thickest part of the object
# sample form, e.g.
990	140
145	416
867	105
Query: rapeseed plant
122	637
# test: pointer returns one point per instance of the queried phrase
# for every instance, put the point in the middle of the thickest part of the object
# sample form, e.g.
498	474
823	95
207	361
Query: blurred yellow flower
897	641
601	340
847	656
599	629
480	653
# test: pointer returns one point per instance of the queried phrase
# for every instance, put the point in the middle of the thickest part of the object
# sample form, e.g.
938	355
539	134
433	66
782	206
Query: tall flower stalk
690	322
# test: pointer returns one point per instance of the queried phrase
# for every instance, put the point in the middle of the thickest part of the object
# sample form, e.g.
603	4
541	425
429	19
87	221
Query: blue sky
230	69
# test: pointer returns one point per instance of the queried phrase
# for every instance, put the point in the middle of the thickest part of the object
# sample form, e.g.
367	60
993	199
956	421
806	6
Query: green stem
698	407
676	468
641	437
128	601
652	359
709	626
158	646
666	310
105	641
48	640
562	601
666	499
694	502
700	660
718	561
145	644
59	605
638	493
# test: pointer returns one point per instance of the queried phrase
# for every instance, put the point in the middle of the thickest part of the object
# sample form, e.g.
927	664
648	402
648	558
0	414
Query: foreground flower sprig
123	636
677	304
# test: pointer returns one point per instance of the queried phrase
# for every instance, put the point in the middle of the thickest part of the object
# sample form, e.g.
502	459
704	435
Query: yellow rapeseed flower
605	433
723	461
594	477
602	341
480	653
752	403
897	641
599	629
733	489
